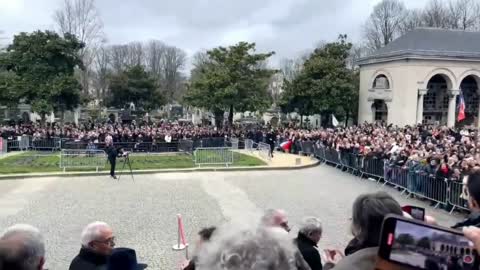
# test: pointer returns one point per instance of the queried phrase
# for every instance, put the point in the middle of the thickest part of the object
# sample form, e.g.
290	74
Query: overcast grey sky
288	27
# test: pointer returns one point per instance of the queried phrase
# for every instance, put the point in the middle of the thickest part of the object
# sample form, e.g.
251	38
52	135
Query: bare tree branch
463	14
436	14
81	18
173	62
385	23
413	19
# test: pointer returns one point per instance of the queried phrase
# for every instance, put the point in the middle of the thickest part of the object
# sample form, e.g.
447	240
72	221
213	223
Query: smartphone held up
412	244
414	211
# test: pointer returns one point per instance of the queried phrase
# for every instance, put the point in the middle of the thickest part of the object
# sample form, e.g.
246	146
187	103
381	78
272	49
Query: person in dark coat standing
112	154
307	240
97	245
270	140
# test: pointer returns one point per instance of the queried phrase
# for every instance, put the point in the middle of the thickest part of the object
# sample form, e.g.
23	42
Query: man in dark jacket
270	140
97	244
473	188
307	240
112	154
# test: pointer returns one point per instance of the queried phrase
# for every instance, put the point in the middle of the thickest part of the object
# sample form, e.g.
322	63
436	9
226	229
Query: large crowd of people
439	151
158	132
255	245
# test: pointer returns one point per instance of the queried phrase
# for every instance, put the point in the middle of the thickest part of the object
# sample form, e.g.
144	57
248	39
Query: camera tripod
125	162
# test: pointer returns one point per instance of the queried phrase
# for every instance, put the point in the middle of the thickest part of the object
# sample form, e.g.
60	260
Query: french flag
461	108
286	145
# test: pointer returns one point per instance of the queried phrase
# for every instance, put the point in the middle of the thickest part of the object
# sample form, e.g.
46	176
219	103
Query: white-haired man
97	244
277	220
309	235
22	248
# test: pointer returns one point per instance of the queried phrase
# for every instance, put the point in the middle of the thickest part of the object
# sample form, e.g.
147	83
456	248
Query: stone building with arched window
419	77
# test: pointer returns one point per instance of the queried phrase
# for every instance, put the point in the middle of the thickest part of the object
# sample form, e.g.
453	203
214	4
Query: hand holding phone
415	211
333	256
417	245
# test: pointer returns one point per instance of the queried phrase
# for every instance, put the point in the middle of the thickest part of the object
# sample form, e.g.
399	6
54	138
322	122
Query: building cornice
410	56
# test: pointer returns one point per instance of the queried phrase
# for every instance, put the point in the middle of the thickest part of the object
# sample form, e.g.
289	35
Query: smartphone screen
415	211
421	246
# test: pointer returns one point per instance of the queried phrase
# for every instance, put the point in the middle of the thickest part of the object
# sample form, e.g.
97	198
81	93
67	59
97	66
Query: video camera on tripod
126	156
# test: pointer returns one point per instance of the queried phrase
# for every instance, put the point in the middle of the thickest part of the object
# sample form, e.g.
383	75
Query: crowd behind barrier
24	143
447	193
364	150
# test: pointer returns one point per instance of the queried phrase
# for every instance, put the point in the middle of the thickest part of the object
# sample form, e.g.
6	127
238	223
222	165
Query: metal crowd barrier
373	167
44	144
213	156
457	197
264	151
396	176
146	147
408	180
234	142
319	152
185	146
3	146
307	148
212	142
21	143
249	145
82	159
431	188
297	147
332	156
350	161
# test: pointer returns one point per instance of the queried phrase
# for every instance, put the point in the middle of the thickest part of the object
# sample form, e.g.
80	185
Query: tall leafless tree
384	24
102	70
356	52
81	18
436	14
125	56
413	19
154	53
135	54
118	57
463	14
173	63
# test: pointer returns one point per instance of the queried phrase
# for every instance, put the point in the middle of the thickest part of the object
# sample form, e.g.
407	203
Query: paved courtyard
143	213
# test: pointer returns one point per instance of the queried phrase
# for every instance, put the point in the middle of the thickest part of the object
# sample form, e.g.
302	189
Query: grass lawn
32	162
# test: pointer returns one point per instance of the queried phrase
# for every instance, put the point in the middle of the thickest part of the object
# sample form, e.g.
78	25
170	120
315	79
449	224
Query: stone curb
187	170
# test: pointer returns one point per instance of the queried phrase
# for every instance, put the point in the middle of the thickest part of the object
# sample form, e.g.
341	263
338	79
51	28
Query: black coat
309	251
112	152
87	260
270	138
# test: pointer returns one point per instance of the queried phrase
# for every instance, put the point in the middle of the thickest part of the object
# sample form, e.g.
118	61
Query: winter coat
88	260
309	251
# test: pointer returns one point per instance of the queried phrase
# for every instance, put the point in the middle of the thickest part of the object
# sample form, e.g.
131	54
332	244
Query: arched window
381	82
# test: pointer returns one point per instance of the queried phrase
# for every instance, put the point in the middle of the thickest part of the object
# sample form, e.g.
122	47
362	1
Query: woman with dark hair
368	213
204	236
